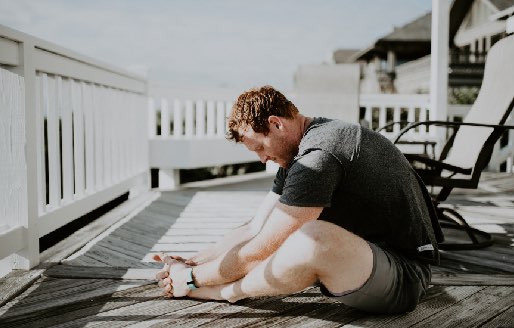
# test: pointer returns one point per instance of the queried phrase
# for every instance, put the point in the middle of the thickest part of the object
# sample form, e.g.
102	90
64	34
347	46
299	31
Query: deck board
109	282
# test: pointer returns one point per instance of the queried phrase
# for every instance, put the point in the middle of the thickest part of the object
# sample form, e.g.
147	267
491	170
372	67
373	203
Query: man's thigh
395	285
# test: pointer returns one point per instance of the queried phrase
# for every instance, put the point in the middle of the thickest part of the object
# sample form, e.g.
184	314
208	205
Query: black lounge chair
468	151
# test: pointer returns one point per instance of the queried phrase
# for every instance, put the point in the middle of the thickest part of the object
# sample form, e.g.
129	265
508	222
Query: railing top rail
394	99
9	35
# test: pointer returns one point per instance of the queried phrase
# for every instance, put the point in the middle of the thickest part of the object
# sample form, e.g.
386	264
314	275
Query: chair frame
450	218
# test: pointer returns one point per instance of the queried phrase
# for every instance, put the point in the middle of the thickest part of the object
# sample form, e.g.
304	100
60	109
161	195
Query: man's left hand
174	276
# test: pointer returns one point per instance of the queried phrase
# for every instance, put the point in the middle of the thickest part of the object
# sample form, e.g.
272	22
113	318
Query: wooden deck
107	282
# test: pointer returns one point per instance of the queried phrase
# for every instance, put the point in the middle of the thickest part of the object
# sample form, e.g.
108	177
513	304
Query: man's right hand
163	277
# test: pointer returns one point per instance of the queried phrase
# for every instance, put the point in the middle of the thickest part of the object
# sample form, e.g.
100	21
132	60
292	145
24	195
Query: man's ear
275	120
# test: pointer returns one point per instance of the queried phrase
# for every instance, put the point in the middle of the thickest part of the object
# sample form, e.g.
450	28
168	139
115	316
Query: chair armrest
450	124
391	124
437	164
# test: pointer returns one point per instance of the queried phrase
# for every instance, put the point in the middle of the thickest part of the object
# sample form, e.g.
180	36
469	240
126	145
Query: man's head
253	109
267	123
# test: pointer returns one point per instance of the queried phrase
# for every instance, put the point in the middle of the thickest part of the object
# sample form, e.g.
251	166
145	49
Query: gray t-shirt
365	185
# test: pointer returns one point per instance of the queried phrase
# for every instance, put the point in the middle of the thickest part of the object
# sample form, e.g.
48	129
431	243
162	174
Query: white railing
188	119
76	138
192	135
381	109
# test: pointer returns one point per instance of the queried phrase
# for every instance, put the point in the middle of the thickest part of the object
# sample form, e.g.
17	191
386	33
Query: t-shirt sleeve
278	182
311	180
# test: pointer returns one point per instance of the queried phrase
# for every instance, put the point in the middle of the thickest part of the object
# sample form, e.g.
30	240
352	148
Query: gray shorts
396	284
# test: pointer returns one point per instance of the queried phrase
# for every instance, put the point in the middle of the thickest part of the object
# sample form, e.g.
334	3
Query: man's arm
238	235
241	258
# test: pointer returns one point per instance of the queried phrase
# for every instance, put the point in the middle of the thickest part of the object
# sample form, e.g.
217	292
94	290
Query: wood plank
115	317
309	308
437	299
125	247
90	303
473	311
16	282
81	237
504	319
180	247
215	314
91	272
480	261
470	279
46	297
113	258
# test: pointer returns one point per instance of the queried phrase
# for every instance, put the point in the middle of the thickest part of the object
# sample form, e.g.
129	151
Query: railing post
29	256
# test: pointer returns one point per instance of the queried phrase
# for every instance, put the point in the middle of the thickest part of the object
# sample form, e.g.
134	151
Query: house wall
328	90
413	77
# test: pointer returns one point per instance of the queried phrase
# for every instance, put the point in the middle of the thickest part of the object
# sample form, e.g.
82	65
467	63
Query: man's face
276	146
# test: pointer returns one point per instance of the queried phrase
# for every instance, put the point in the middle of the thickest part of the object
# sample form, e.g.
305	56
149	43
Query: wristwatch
190	282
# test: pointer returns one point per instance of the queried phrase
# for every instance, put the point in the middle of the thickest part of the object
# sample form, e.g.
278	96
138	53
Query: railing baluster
189	119
152	120
382	117
89	136
220	120
368	115
78	138
98	128
67	139
114	130
411	116
165	119
396	118
228	110
41	156
106	137
178	120
54	170
200	118
211	121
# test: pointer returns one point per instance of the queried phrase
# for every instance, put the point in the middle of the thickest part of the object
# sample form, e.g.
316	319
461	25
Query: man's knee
325	238
309	240
323	232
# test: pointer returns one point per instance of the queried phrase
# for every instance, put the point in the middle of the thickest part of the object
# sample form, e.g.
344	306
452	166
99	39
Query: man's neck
306	122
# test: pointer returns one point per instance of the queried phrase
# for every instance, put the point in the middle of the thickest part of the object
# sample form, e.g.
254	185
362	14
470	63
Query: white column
169	179
439	64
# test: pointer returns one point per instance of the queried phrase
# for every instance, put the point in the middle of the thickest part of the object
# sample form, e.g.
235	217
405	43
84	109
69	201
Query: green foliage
462	95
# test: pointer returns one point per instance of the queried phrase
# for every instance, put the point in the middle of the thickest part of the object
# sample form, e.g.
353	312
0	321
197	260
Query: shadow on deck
108	282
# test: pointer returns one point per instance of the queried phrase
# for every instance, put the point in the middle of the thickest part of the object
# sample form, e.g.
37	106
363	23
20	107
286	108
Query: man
346	211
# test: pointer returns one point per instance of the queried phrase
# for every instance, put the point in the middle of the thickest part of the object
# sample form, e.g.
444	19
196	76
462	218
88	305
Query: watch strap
190	282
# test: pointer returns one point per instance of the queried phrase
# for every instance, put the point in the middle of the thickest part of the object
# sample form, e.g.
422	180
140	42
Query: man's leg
319	250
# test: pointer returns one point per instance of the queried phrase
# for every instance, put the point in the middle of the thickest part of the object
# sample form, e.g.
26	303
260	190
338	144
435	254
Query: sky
233	44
